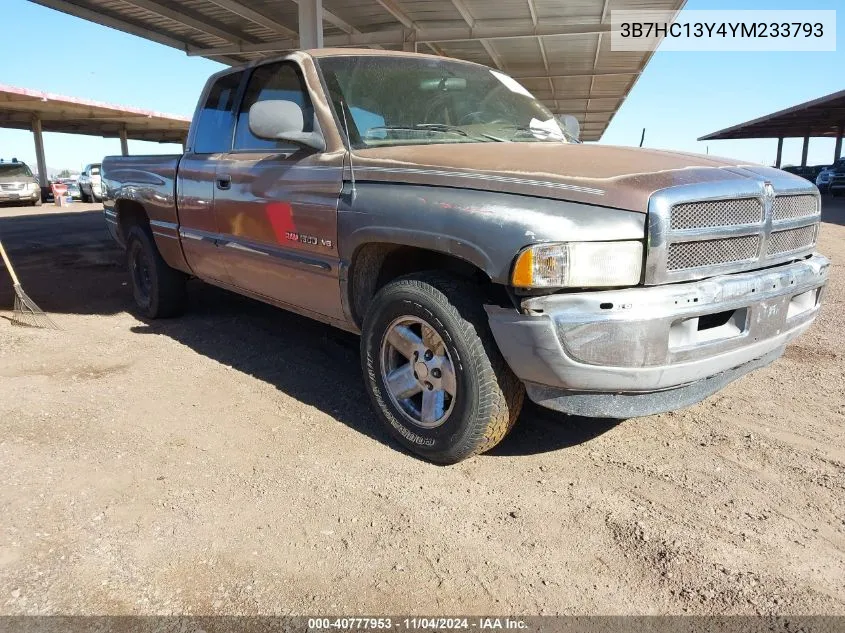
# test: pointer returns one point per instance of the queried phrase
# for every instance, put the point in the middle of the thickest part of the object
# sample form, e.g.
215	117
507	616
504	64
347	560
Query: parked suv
18	184
836	180
823	179
90	184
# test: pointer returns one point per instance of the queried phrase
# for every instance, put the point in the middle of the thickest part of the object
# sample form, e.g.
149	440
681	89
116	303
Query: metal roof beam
393	9
254	16
120	25
204	25
398	37
532	9
470	20
336	20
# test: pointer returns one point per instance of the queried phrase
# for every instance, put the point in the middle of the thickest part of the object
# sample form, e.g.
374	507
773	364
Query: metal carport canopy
559	49
824	117
46	112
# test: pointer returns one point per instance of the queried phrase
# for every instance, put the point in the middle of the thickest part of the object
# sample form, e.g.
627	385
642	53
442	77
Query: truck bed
148	180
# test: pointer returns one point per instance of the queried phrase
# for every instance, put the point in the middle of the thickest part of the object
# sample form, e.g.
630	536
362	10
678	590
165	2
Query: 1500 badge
307	239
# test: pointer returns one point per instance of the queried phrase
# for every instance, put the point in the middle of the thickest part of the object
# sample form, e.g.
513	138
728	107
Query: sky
679	97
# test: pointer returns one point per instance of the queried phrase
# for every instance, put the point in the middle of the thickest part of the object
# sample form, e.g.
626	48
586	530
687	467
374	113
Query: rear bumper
608	353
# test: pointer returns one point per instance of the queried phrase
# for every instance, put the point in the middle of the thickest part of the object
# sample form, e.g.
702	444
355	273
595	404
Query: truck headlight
579	265
33	186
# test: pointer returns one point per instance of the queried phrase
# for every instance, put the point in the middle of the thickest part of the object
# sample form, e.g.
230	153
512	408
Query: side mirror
280	120
571	127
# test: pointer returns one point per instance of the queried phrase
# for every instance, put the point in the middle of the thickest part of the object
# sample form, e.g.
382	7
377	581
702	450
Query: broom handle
9	265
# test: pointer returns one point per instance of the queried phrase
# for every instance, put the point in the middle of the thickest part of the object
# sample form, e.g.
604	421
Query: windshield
420	101
14	169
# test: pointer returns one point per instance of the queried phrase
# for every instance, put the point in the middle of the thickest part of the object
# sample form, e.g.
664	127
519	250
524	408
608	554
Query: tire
85	197
158	289
445	315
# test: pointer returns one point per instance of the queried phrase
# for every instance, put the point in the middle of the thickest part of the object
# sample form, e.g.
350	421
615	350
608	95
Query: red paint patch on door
280	216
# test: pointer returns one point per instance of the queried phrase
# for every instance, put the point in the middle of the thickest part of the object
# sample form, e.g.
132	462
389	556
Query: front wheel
433	371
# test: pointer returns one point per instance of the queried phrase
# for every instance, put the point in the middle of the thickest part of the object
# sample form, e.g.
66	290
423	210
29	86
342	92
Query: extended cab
439	210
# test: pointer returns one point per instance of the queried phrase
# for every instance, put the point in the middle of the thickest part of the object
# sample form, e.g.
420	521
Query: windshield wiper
432	127
419	127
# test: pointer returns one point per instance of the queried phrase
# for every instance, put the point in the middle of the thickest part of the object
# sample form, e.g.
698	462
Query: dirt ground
227	462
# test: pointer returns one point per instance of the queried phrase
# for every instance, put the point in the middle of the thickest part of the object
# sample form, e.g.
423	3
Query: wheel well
375	265
129	214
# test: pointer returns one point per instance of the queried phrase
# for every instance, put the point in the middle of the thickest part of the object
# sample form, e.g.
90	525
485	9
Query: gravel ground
228	463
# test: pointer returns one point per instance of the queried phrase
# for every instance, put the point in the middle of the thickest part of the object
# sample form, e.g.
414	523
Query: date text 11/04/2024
416	623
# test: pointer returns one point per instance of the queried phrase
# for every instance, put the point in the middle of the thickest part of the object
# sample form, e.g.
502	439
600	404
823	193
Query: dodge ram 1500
438	209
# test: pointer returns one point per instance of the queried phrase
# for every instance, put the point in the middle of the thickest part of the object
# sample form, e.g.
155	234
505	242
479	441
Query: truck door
277	206
211	139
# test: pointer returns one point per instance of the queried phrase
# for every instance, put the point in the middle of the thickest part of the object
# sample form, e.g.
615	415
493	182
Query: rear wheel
433	371
158	289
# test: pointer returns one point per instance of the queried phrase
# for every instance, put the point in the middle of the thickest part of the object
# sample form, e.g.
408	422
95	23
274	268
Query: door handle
224	182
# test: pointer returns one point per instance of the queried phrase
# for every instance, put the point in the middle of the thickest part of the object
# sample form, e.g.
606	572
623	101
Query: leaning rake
25	312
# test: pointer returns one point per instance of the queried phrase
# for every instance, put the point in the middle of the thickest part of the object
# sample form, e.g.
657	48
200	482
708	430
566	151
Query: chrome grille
11	186
791	240
693	215
722	227
789	207
685	255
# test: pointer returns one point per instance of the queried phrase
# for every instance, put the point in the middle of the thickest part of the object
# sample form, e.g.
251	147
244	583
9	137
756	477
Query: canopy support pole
310	24
39	151
837	151
805	151
124	143
780	153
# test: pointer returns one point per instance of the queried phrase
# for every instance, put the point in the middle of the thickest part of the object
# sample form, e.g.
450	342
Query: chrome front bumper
610	353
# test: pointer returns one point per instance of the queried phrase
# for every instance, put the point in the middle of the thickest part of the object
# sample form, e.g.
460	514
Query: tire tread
501	392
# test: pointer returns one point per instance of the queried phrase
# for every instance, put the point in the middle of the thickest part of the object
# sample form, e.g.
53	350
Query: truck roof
336	52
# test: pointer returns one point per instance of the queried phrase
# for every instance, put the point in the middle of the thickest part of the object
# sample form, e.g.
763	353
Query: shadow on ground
833	210
69	265
66	262
321	366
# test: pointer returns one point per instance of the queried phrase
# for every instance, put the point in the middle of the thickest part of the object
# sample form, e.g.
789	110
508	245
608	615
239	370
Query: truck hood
610	176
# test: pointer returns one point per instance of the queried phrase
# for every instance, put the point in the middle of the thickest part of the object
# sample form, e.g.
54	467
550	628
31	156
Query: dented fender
484	228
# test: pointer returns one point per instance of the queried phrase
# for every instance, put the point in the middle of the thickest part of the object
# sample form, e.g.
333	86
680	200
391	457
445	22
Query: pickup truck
440	211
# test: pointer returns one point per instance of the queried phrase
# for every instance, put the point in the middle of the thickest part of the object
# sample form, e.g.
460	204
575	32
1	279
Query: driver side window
279	80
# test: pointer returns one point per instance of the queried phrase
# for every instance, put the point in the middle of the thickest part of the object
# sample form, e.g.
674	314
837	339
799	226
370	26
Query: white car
90	183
